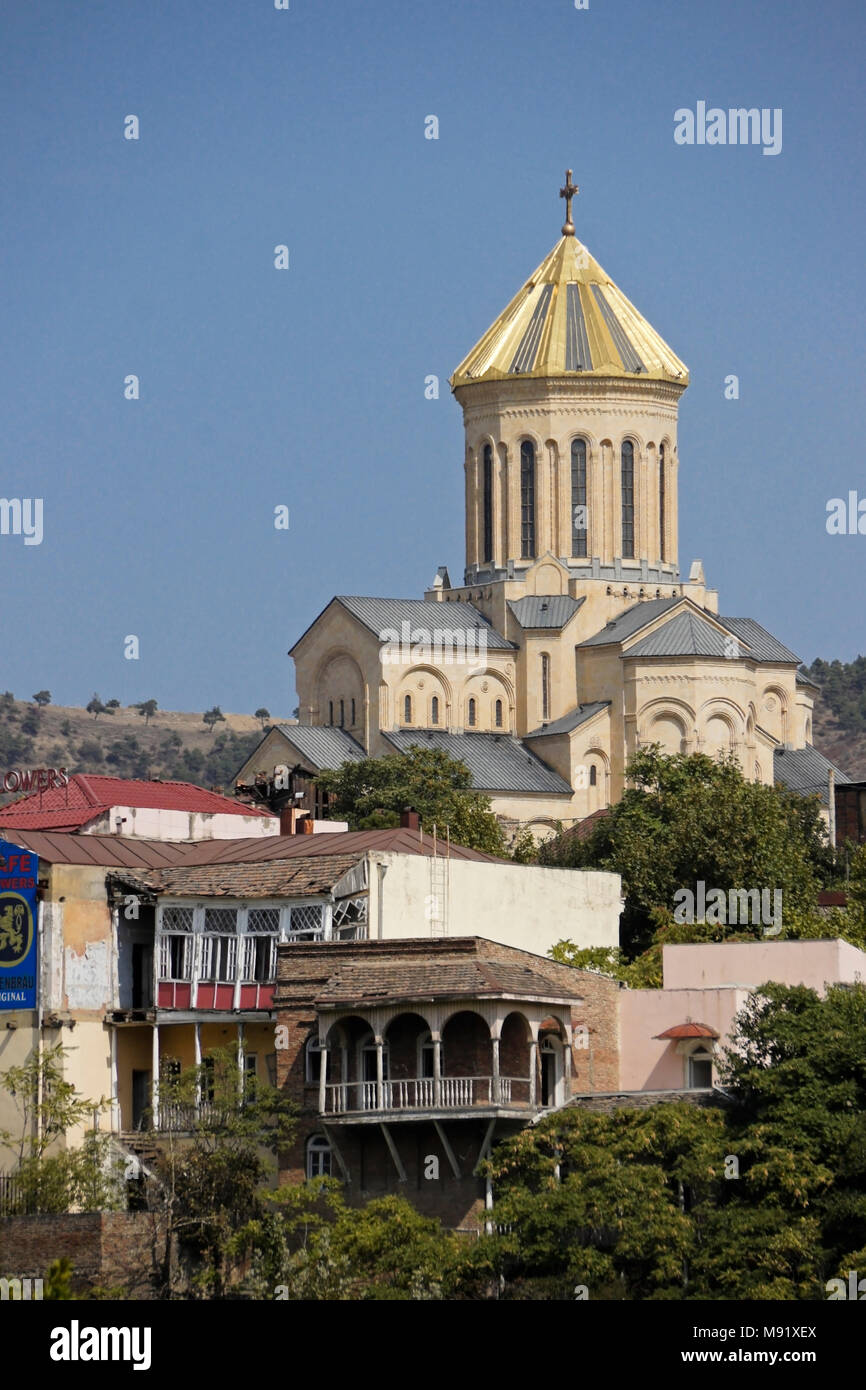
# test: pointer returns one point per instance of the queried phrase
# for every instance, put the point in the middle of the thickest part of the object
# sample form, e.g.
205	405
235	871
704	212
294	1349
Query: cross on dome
568	193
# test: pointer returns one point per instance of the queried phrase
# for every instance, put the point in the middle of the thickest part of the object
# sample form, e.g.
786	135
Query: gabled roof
425	616
498	762
632	620
763	646
578	716
685	634
570	318
87	797
805	770
323	745
536	610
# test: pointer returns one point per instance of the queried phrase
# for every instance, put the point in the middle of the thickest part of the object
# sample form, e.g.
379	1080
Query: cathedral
574	638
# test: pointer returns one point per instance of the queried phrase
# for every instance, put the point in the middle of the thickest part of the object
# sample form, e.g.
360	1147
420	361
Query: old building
575	636
410	1059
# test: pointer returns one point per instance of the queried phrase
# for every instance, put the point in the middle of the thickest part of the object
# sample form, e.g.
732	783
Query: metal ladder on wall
438	900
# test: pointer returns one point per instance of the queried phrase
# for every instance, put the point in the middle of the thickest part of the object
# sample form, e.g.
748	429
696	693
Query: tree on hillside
263	715
147	708
111	706
213	716
688	818
95	706
42	697
373	792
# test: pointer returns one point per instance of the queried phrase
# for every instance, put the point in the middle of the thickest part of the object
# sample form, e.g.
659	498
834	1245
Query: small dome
570	319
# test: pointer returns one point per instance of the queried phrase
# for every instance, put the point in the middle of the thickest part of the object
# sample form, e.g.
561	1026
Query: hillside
171	745
839	726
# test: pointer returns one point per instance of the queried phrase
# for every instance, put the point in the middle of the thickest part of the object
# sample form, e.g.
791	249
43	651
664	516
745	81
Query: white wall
520	905
147	823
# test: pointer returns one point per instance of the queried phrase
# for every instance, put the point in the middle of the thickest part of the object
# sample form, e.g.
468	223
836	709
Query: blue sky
305	387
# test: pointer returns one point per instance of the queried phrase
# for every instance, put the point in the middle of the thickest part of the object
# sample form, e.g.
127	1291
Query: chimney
303	823
408	819
287	821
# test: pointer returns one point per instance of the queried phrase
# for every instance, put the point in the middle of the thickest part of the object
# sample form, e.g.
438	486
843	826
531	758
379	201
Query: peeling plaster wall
87	977
148	823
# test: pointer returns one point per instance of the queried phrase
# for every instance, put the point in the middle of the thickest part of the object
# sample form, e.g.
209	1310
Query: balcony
423	1093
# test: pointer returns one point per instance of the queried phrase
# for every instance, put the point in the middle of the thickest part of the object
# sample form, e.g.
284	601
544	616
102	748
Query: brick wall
106	1248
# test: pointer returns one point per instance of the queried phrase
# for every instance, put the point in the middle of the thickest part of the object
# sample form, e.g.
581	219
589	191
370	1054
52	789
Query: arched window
313	1053
330	711
545	686
342	713
472	713
318	1157
353	714
627	477
527	500
407	709
488	502
434	710
426	1047
662	555
578	497
593	774
498	714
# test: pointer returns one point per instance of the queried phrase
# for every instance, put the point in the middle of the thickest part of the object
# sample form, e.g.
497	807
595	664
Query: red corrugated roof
86	797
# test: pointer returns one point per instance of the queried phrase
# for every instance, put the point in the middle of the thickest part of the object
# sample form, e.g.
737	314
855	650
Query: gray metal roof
763	646
805	770
632	620
498	762
683	635
322	744
571	721
382	615
803	678
536	610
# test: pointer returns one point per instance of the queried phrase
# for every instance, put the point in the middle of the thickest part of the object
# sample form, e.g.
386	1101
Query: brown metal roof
688	1030
357	842
103	851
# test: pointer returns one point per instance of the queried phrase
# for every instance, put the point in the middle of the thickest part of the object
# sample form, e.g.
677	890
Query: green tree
374	791
95	706
42	697
213	716
263	715
689	818
147	709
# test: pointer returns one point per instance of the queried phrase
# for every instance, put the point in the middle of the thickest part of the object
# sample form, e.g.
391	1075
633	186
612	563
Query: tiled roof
763	646
498	762
301	876
686	634
631	621
398	840
805	770
324	745
445	973
571	721
87	797
382	615
537	611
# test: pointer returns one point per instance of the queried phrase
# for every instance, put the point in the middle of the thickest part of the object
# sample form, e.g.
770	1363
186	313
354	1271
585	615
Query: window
263	919
314	1052
593	775
342	714
330	711
249	1075
472	713
318	1157
578	497
175	958
349	920
488	502
208	1086
545	686
353	714
259	958
407	709
498	714
627	480
434	710
306	923
700	1071
219	945
527	500
427	1050
662	502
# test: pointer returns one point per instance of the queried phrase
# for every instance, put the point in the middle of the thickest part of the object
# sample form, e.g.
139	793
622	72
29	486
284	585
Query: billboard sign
18	919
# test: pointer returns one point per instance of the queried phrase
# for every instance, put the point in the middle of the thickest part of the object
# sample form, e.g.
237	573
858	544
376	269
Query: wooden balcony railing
420	1093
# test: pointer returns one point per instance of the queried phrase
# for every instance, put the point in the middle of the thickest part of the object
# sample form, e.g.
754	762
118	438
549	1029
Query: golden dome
570	319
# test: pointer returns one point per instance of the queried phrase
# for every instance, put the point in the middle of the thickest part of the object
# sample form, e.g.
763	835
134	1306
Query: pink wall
751	963
650	1065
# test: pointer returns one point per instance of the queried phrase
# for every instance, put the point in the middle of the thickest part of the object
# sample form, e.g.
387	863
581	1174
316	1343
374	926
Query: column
380	1077
115	1088
196	1038
437	1069
154	1085
533	1063
494	1044
240	1062
323	1076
